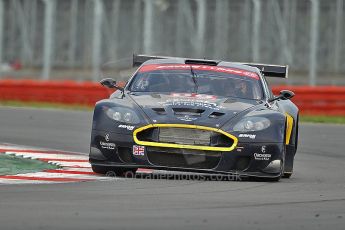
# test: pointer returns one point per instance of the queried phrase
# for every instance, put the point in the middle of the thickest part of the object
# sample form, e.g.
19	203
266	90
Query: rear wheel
113	171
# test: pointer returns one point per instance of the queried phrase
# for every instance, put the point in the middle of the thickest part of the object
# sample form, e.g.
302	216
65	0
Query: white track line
79	169
17	181
61	175
44	155
71	164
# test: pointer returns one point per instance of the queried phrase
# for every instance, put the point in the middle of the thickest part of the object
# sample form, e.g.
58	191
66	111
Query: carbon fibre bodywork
191	132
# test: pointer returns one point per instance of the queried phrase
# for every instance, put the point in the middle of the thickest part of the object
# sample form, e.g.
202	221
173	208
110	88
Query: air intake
188	111
159	111
183	136
216	115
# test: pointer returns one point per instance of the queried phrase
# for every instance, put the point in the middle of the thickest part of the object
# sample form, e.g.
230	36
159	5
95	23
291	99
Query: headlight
252	124
122	114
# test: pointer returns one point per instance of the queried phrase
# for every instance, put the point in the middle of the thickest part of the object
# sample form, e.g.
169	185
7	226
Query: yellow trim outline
181	146
289	125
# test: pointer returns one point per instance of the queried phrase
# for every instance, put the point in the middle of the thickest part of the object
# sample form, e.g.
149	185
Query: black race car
196	115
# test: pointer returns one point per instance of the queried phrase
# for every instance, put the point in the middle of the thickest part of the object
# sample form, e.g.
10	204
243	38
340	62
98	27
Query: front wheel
113	171
290	154
287	175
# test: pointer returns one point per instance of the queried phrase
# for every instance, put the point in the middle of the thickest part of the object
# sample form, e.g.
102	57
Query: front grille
183	158
185	136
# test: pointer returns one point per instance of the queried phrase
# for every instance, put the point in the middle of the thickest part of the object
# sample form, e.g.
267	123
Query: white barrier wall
309	35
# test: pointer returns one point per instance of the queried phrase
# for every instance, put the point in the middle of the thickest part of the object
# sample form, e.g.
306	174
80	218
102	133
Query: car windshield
211	80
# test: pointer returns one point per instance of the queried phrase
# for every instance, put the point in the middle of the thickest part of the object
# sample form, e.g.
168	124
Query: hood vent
216	115
188	111
154	95
230	100
160	111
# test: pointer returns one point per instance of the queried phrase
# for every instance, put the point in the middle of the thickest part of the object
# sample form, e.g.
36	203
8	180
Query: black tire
113	171
263	179
99	169
275	179
292	153
287	175
289	162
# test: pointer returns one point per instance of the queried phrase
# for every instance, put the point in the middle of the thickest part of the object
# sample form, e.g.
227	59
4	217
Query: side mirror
283	95
286	94
110	83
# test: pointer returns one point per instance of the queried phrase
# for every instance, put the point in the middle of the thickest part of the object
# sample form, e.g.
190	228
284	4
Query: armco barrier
322	100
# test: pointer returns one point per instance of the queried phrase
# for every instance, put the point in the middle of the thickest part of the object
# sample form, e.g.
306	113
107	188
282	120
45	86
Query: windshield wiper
194	79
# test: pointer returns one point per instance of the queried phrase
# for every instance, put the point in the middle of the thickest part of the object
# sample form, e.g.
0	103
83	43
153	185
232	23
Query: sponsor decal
239	149
251	136
194	95
263	148
240	72
262	156
106	137
187	118
128	127
107	145
138	150
191	102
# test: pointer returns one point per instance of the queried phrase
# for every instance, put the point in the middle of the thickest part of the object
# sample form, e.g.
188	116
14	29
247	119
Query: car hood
204	110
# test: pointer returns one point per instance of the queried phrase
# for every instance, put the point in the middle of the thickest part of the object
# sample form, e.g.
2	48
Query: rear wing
267	70
280	71
139	59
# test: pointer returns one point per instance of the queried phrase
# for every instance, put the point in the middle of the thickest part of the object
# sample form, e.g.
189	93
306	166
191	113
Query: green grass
45	105
11	165
323	119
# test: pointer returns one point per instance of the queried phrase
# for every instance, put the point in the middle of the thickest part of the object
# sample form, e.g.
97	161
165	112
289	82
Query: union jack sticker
138	150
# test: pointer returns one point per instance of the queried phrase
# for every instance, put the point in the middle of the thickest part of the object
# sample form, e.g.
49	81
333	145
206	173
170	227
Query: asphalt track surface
314	198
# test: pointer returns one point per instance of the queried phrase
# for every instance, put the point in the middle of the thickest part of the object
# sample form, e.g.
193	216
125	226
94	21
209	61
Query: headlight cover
122	114
252	124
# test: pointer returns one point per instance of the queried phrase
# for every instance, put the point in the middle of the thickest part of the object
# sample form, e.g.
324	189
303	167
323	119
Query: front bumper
248	159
